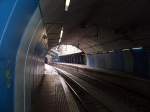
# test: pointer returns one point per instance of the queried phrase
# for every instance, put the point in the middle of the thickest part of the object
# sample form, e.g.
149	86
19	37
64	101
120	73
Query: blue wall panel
14	17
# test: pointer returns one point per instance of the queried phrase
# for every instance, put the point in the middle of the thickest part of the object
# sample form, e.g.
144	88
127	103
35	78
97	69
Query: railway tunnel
106	68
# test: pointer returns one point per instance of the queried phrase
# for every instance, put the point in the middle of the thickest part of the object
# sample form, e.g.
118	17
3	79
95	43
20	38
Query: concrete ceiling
98	25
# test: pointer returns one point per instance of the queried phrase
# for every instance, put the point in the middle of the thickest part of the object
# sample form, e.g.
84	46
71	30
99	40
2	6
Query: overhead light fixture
125	49
61	34
67	5
137	48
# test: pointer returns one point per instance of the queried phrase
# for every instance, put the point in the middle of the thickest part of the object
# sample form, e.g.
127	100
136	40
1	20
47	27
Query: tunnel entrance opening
66	54
66	50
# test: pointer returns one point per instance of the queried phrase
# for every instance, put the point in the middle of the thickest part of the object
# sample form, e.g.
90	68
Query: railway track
85	100
102	95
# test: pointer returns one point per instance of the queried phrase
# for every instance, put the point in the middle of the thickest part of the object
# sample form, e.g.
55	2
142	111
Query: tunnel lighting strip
67	5
137	48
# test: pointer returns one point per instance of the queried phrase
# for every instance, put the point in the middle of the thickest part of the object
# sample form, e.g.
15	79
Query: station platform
53	94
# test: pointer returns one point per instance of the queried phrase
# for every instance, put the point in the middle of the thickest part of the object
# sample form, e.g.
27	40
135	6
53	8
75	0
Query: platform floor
53	95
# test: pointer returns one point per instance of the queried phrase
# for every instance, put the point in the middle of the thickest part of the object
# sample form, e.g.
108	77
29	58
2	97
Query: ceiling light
61	34
125	49
137	48
67	5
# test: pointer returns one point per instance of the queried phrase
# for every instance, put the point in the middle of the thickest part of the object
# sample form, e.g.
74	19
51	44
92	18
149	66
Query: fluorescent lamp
125	49
67	5
137	48
61	33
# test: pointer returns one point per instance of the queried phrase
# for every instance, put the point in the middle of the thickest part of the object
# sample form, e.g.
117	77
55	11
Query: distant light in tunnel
67	5
137	48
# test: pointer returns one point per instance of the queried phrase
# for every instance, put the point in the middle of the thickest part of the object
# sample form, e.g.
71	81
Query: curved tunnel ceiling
98	25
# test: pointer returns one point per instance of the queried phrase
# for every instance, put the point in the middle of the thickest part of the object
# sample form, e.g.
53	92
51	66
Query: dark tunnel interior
74	55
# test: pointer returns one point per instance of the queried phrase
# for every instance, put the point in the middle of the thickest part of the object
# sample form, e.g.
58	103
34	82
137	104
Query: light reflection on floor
50	70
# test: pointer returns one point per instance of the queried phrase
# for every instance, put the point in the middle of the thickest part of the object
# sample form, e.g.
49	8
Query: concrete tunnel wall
22	52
